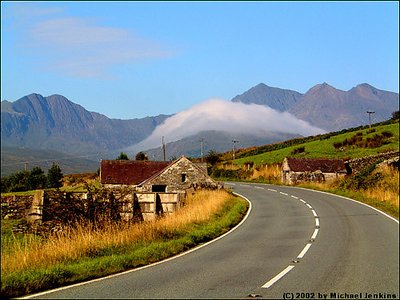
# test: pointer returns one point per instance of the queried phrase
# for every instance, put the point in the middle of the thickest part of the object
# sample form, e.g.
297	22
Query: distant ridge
325	106
56	123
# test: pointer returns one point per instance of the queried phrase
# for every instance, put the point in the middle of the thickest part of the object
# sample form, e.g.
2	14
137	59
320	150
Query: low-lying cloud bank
221	115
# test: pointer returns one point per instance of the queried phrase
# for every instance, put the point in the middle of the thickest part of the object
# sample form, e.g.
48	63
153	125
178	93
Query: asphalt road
295	243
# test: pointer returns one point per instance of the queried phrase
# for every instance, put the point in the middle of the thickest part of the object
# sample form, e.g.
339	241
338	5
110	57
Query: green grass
113	260
324	148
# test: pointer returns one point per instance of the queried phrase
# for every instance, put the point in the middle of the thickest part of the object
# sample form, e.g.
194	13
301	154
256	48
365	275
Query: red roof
312	165
131	172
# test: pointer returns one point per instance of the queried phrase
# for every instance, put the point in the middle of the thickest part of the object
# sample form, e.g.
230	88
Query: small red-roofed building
150	188
296	170
155	176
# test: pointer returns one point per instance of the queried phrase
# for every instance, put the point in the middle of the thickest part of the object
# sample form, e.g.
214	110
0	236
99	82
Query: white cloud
216	114
81	47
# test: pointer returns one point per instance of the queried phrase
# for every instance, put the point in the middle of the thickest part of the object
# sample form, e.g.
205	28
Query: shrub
298	150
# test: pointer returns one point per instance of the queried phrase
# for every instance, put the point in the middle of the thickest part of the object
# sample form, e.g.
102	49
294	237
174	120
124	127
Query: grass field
324	148
30	264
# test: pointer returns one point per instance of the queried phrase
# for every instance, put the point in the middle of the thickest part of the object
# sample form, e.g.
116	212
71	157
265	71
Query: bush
298	150
362	180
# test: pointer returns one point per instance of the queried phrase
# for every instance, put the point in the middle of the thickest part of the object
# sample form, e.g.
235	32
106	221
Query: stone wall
47	211
317	176
15	207
358	164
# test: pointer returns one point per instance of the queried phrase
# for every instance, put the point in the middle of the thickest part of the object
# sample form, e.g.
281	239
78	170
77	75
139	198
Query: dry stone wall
48	211
358	164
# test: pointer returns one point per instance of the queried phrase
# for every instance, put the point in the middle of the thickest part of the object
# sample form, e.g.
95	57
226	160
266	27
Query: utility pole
201	149
369	117
233	148
163	148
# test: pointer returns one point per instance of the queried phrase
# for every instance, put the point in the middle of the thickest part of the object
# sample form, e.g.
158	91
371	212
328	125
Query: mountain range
57	124
325	106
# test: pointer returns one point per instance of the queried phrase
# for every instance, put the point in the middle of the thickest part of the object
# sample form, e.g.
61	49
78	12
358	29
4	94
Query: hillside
218	141
323	146
13	160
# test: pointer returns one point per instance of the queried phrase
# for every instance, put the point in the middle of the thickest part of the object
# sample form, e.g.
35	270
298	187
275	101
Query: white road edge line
304	251
316	221
272	190
295	197
314	213
258	187
283	193
277	277
383	213
309	206
303	201
151	265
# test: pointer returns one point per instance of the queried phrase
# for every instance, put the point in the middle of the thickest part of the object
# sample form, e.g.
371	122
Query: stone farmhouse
153	188
296	170
155	176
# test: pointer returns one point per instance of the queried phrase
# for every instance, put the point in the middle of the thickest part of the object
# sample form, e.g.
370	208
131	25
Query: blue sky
138	59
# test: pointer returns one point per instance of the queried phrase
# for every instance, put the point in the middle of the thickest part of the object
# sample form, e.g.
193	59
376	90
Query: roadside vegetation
31	263
375	186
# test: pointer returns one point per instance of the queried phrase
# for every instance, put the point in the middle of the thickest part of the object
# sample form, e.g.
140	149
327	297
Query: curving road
295	243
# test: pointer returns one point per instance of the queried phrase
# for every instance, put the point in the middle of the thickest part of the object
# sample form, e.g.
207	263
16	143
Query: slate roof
130	172
312	165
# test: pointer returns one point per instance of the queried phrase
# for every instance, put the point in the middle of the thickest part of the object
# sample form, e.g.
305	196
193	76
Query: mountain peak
275	98
322	88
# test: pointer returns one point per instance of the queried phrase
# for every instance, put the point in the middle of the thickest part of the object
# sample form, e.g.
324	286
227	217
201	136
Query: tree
122	156
395	115
141	156
54	177
36	179
16	182
212	157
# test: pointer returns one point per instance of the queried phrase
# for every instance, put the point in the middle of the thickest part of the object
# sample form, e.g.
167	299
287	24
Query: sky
135	59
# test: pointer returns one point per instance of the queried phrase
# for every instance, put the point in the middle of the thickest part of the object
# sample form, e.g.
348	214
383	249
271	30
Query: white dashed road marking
305	249
315	234
277	277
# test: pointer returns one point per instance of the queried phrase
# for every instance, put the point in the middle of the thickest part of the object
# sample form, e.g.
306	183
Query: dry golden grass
229	166
387	189
268	172
86	241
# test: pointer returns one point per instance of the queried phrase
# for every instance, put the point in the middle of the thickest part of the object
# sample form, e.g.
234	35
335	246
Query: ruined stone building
296	170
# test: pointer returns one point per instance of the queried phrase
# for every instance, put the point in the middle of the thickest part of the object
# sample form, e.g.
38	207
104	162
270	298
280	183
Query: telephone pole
201	149
163	148
369	117
233	148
